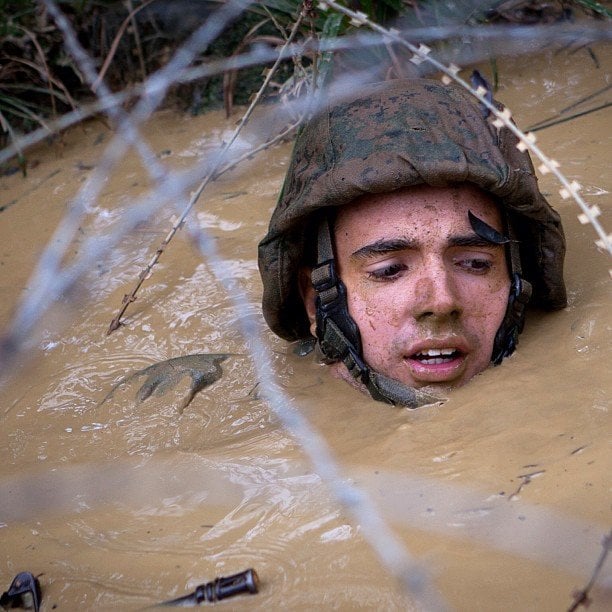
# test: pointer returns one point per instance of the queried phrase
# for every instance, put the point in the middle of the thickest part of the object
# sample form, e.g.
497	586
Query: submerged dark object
24	592
204	369
304	347
220	588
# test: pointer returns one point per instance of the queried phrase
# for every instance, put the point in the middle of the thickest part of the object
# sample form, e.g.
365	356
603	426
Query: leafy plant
130	40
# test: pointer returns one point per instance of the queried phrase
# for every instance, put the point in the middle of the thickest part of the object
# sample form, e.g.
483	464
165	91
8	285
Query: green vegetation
131	39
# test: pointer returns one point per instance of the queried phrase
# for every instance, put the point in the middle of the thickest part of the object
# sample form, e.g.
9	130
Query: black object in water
24	592
220	588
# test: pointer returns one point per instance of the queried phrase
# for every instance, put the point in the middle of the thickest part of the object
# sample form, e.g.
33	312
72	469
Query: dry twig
229	76
214	172
109	58
136	33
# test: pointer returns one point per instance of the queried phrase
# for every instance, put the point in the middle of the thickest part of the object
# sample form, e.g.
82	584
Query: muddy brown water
502	493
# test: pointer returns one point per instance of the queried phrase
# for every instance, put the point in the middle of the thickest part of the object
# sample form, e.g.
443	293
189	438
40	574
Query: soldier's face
427	293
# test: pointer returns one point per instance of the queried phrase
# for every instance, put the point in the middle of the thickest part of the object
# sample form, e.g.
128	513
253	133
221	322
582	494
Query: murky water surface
502	493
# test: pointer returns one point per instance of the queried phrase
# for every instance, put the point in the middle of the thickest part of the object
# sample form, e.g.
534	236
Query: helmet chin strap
339	337
512	324
338	334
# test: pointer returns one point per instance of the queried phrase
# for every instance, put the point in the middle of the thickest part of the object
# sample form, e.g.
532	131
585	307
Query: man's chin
338	370
426	395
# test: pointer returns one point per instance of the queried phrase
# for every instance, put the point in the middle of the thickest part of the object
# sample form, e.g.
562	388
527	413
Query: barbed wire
212	175
51	280
511	38
48	281
422	53
410	575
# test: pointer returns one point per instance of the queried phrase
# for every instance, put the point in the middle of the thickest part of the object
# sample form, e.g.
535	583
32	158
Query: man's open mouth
436	356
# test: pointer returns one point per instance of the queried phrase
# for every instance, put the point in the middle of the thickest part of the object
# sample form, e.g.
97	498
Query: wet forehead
418	216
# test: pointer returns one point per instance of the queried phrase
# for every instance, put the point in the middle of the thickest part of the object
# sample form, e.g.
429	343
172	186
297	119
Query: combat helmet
390	136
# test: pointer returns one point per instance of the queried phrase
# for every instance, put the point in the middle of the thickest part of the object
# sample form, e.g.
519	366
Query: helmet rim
390	136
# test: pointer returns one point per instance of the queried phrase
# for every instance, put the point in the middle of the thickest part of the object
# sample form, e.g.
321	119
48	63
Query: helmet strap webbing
338	334
512	324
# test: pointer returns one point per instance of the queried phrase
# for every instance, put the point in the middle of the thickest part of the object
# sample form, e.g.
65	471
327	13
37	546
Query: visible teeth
435	356
436	352
434	361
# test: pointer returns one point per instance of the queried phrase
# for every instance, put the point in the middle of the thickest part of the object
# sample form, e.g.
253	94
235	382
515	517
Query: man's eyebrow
382	247
471	240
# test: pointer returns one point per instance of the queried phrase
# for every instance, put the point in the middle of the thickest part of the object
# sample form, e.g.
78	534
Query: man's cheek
369	320
377	318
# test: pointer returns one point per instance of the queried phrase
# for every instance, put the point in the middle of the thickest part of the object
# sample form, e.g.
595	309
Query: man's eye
388	272
476	264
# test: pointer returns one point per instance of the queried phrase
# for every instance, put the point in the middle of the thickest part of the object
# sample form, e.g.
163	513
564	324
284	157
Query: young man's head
408	238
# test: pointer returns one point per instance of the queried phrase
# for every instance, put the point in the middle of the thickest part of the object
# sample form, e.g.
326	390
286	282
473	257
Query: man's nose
436	295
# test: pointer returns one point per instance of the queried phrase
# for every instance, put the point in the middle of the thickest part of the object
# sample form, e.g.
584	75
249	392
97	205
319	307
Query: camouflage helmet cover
390	136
